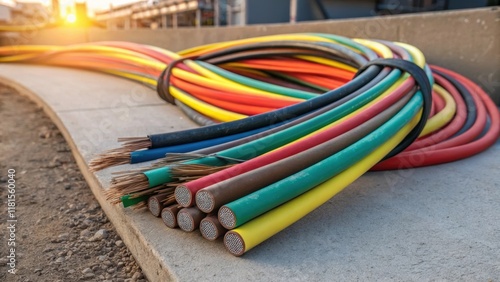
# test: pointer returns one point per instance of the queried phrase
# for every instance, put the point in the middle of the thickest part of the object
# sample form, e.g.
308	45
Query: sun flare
71	18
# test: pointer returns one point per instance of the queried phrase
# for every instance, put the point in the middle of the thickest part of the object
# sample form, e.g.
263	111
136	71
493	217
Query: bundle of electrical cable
288	122
23	28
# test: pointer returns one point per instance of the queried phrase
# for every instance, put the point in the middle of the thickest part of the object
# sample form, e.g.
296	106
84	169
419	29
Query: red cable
453	150
244	99
234	107
268	79
296	65
319	80
438	101
137	48
453	126
304	144
433	106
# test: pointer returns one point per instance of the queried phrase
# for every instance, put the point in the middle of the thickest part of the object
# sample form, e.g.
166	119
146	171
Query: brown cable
214	196
169	215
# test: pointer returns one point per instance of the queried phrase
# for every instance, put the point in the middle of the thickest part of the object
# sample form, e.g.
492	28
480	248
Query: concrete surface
434	223
461	40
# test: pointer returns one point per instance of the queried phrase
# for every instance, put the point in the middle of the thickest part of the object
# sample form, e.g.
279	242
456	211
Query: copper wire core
183	196
119	156
139	206
127	185
227	218
190	171
135	143
169	216
234	243
109	159
124	176
185	221
156	203
154	206
210	228
189	219
204	201
172	158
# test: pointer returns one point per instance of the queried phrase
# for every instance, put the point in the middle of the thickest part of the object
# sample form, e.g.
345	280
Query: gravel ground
61	233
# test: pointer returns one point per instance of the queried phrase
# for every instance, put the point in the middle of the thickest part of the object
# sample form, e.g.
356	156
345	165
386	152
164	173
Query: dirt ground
61	233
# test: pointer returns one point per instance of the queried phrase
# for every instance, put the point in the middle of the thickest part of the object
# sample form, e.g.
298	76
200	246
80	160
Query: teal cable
267	198
258	84
257	147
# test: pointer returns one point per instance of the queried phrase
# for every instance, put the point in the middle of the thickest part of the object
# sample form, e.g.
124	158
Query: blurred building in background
23	13
182	13
164	14
81	14
6	9
159	14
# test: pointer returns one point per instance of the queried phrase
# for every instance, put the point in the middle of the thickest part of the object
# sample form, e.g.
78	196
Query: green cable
369	53
298	81
259	84
127	201
265	199
262	145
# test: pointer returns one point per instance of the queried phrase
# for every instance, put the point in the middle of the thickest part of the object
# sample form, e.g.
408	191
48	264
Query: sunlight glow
71	18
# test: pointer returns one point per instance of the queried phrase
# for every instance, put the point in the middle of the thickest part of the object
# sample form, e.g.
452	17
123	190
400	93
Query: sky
93	5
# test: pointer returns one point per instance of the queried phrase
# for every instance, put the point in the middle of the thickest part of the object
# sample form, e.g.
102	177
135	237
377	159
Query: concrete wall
337	9
466	4
260	11
464	41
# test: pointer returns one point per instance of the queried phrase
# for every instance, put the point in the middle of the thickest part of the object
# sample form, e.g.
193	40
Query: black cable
194	115
329	49
422	81
303	118
163	82
469	103
269	118
261	120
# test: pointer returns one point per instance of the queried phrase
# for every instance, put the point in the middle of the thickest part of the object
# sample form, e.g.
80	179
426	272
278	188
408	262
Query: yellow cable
207	73
140	61
416	54
170	54
25	52
444	116
214	84
356	112
132	76
383	51
283	37
30	48
17	58
235	85
198	105
327	62
263	227
217	46
245	68
105	49
21	28
204	108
